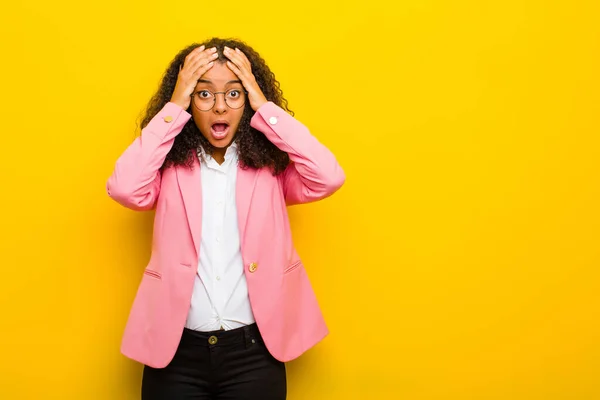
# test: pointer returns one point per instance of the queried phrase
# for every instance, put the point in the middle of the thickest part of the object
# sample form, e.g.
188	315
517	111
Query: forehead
219	75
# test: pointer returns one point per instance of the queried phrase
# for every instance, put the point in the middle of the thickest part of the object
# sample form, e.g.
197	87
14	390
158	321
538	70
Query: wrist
261	103
180	103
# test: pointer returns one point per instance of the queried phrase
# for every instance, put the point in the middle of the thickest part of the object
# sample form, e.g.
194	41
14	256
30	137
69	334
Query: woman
225	300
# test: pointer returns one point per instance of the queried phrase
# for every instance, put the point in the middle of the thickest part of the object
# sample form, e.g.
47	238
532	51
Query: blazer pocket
292	267
153	274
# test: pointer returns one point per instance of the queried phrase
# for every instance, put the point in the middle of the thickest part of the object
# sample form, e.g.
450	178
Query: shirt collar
230	153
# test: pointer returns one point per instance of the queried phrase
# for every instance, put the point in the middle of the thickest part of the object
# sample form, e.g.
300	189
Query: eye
234	94
204	94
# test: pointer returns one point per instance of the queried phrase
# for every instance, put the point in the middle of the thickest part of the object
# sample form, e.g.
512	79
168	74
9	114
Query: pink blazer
282	299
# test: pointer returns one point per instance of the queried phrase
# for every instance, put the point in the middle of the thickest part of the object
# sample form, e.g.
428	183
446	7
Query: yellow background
459	261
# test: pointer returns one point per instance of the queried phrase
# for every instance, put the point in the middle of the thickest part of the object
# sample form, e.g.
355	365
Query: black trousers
219	365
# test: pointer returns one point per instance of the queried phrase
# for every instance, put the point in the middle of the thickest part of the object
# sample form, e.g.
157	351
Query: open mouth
219	130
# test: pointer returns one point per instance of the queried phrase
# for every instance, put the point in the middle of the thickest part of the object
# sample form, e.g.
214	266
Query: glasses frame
193	95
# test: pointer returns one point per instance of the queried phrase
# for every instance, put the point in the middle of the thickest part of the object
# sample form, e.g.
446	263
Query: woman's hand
240	65
195	65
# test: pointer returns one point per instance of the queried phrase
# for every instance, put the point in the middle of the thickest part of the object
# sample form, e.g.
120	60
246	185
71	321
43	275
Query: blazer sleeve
135	181
314	172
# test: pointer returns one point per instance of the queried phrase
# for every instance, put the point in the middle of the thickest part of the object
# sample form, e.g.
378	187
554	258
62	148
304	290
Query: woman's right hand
195	65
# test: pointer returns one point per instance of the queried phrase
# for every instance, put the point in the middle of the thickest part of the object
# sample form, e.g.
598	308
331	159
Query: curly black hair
254	149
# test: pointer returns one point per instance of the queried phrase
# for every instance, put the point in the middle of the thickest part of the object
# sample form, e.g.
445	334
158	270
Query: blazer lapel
190	186
245	183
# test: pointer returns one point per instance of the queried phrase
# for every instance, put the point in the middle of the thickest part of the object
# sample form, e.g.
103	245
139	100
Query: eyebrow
228	83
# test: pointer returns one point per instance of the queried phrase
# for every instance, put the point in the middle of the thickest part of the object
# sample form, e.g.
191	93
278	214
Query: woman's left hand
240	65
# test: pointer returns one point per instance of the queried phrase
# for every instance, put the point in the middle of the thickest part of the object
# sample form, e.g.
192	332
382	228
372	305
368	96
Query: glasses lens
204	100
235	98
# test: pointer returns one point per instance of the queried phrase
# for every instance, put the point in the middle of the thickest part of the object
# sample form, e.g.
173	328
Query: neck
219	155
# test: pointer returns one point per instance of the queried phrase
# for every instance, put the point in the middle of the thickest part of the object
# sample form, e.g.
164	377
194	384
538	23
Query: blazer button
168	119
273	120
252	267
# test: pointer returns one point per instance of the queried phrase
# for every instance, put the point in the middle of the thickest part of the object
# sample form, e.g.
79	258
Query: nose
220	105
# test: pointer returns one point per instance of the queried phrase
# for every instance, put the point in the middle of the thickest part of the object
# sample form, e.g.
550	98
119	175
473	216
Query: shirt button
273	120
218	240
218	278
252	267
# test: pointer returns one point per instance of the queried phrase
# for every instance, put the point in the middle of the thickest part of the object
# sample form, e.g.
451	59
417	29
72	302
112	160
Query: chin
221	144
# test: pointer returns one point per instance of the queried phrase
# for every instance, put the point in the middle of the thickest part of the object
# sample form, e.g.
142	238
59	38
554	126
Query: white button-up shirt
220	297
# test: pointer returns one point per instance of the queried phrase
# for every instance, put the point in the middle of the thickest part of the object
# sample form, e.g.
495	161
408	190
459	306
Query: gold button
253	267
212	340
168	119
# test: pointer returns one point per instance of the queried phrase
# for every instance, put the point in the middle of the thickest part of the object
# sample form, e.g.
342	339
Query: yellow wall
461	259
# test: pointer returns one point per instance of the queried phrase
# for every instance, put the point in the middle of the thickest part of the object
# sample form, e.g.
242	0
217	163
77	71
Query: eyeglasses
205	100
